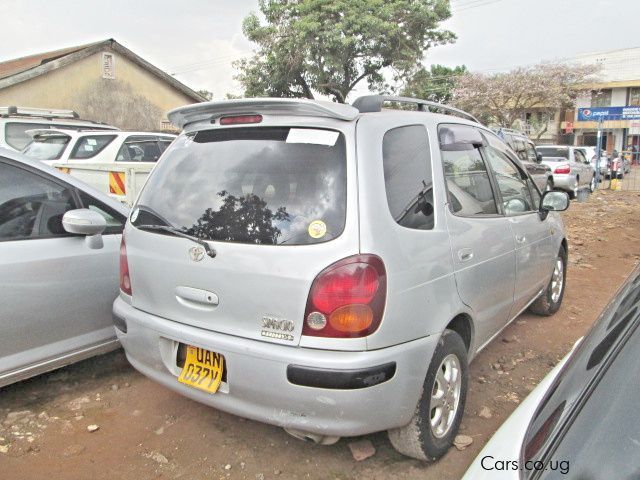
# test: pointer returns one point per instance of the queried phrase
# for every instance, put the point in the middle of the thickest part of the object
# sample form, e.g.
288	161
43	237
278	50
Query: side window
580	158
535	193
16	136
31	206
512	183
163	144
407	176
139	149
468	186
520	149
90	146
115	220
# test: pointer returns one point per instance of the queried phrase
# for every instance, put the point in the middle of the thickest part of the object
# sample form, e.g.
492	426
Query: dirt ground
146	431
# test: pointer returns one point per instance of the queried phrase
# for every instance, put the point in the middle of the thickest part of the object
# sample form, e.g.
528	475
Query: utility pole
599	149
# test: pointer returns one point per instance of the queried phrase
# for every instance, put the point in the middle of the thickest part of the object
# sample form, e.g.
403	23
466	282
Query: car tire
549	302
592	185
440	395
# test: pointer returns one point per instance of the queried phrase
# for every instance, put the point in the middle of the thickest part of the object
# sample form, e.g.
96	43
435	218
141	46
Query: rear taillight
564	168
125	281
347	298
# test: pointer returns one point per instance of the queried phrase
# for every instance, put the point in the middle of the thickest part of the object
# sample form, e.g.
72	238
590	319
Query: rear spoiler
269	106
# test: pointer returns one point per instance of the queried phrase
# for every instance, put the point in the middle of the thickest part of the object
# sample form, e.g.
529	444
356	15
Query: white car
114	162
16	121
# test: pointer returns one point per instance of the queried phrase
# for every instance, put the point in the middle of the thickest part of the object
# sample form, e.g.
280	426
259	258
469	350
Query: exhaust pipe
312	437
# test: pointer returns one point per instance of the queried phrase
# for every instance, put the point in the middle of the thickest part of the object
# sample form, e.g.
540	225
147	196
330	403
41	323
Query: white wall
616	65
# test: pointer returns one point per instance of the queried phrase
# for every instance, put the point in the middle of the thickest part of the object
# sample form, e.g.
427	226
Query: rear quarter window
90	146
408	177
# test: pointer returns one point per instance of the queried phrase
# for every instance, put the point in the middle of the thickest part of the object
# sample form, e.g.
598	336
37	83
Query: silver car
571	169
331	269
59	242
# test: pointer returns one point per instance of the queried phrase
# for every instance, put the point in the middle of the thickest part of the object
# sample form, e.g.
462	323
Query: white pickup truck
115	162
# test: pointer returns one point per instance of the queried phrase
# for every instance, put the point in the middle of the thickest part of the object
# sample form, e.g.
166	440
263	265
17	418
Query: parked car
260	275
583	419
571	170
116	162
524	147
15	121
59	243
590	154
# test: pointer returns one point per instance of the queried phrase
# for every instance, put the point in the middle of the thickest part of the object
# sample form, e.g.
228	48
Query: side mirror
539	157
85	222
554	201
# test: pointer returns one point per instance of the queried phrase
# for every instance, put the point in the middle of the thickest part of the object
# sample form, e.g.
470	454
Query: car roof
15	157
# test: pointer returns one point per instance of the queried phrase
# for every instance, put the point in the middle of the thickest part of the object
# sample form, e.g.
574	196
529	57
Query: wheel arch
462	324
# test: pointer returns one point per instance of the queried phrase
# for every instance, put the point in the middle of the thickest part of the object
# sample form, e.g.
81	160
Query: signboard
608	113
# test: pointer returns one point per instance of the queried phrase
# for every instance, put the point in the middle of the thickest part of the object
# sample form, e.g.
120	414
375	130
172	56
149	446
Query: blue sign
608	113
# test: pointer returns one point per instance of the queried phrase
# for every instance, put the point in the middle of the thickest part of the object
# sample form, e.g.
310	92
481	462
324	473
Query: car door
482	243
56	292
538	171
533	246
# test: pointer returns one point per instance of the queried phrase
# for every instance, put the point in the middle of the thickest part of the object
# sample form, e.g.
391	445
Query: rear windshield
553	152
49	148
257	185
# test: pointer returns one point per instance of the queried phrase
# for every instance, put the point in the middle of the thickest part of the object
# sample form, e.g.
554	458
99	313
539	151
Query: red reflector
240	119
562	169
125	280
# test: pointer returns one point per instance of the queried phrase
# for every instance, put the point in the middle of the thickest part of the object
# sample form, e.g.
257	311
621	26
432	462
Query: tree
435	84
504	99
206	94
329	46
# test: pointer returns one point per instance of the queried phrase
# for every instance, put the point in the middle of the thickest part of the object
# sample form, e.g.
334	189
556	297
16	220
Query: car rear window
90	146
257	185
553	152
47	148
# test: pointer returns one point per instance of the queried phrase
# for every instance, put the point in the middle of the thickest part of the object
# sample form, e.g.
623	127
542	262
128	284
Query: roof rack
373	103
37	112
288	106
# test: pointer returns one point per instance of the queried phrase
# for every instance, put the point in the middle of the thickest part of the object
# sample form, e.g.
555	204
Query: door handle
521	238
465	254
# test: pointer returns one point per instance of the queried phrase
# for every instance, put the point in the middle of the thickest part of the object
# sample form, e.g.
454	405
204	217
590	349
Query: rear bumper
271	383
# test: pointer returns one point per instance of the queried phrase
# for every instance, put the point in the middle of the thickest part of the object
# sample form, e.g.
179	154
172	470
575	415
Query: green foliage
435	84
329	46
206	94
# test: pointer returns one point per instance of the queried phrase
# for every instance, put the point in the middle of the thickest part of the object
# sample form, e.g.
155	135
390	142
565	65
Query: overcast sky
198	40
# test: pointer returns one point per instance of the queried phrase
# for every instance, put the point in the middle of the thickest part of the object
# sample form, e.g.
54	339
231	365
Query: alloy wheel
445	396
557	280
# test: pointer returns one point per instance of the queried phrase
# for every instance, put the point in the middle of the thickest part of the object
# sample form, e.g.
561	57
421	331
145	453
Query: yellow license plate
202	369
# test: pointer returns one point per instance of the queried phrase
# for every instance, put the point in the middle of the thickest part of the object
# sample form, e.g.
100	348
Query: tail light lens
347	299
564	168
125	281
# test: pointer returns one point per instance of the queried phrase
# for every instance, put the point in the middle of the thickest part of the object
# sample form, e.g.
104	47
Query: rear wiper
179	233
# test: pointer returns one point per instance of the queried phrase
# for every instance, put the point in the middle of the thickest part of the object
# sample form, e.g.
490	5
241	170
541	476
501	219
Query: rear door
55	292
481	239
274	203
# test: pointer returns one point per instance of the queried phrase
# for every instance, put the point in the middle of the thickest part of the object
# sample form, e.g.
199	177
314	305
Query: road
146	432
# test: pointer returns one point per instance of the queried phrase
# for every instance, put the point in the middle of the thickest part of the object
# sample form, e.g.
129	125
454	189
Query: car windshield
258	185
48	148
550	152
